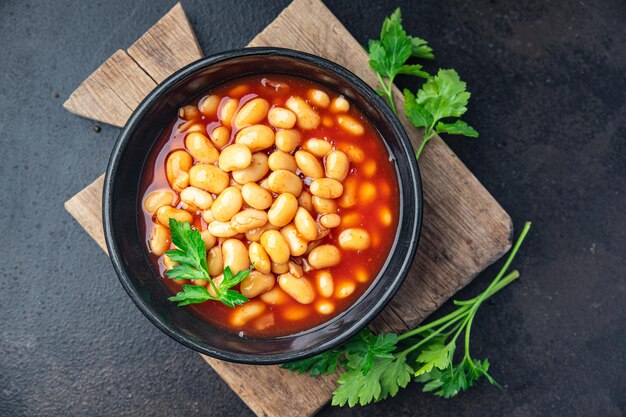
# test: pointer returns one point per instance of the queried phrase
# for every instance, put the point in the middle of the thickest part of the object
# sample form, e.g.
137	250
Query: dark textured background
548	84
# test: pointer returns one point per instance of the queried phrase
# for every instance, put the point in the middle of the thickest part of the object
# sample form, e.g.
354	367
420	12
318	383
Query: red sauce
376	208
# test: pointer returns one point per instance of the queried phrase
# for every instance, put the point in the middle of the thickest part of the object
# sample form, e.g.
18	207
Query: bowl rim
414	182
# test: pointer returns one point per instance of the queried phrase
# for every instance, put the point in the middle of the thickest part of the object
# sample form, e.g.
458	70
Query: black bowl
121	201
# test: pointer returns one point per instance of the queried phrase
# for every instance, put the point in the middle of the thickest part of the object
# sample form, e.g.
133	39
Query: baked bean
264	184
344	289
283	210
337	165
385	216
207	216
159	240
304	200
282	160
220	136
318	98
238	91
221	229
324	205
309	164
235	255
215	261
325	285
248	219
191	126
259	258
200	282
208	239
318	147
355	154
305	224
297	244
254	235
296	312
256	284
209	105
325	307
227	204
361	275
351	220
169	264
255	196
177	168
354	239
283	181
326	188
233	183
280	268
254	111
350	125
281	118
258	169
256	137
208	178
330	220
322	232
275	296
197	197
339	105
201	148
264	321
369	168
158	198
235	157
246	312
189	112
348	198
324	256
276	246
287	140
217	281
295	269
165	213
307	118
298	288
228	107
367	193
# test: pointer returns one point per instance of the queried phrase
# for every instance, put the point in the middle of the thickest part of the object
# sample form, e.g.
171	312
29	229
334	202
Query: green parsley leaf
191	264
459	127
420	48
191	294
323	364
435	356
441	97
365	347
444	95
388	55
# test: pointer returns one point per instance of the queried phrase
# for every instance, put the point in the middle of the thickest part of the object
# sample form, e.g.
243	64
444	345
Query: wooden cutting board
464	228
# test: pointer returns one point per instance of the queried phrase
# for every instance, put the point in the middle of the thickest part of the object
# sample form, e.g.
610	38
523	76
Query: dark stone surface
548	83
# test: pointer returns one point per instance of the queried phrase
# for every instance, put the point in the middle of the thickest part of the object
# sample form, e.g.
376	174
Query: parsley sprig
443	96
375	367
191	264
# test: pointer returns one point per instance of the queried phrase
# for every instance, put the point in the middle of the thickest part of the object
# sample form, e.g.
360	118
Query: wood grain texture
111	92
86	208
167	46
464	230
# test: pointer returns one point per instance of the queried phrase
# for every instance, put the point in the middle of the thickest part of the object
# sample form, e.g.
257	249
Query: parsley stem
433	334
388	90
435	323
512	276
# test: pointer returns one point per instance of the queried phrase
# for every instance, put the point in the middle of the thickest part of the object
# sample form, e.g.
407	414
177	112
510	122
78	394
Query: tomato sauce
375	208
